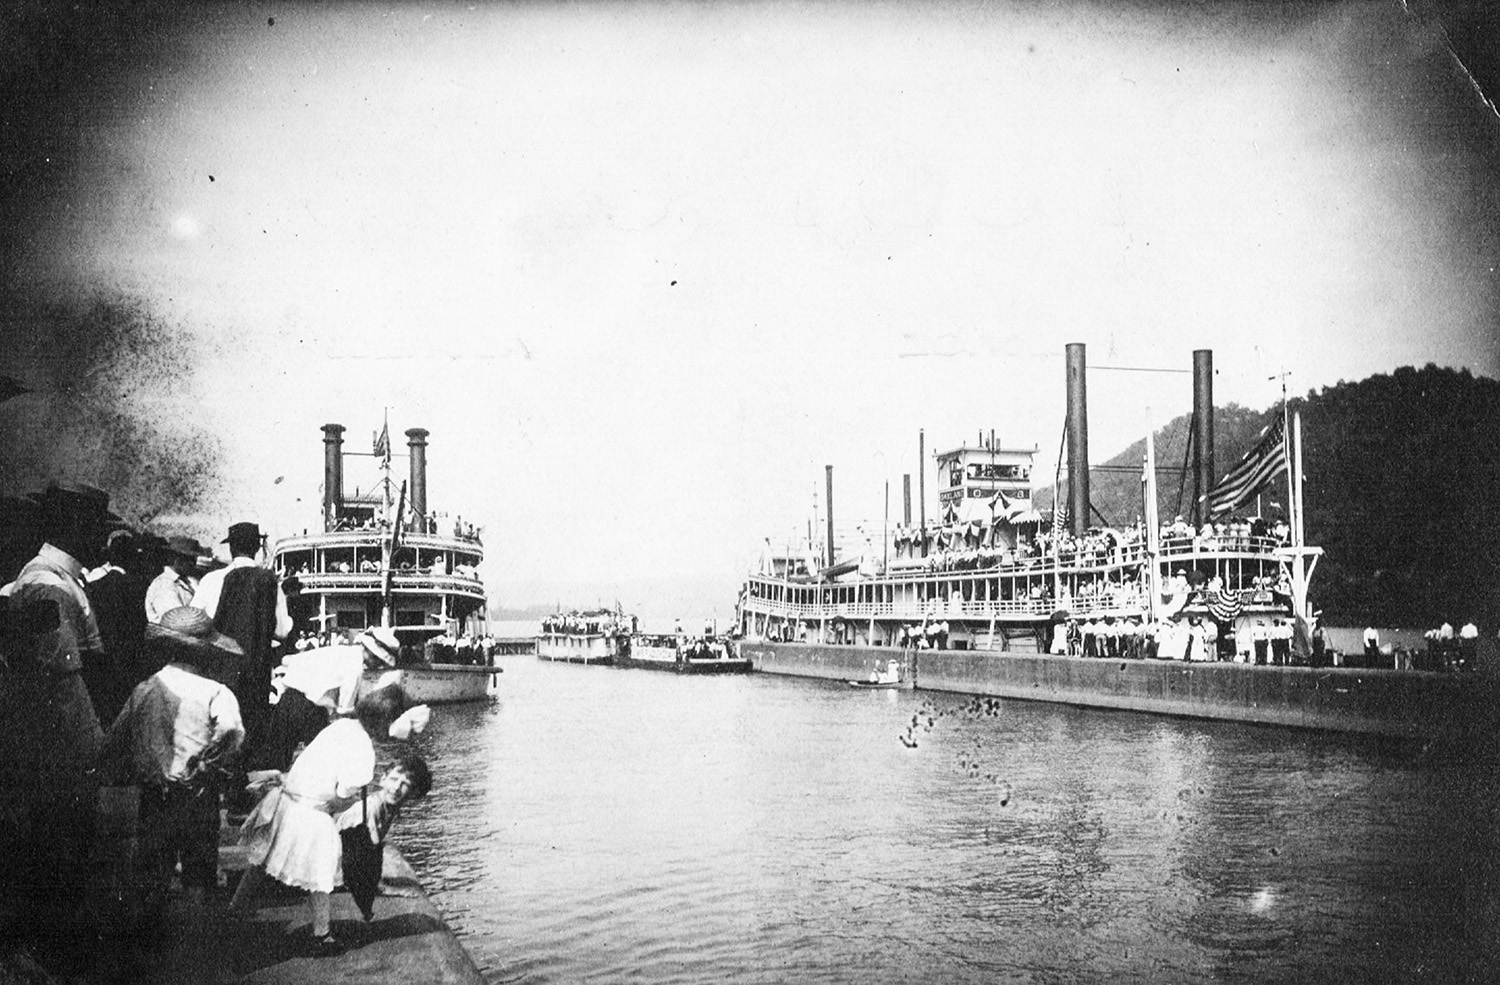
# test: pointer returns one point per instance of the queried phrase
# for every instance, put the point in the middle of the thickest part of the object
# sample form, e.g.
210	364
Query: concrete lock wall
1378	702
834	663
1346	700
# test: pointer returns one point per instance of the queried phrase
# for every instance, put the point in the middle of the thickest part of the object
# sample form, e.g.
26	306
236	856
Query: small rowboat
874	684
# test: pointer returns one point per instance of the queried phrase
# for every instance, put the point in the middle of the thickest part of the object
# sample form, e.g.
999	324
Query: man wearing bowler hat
246	602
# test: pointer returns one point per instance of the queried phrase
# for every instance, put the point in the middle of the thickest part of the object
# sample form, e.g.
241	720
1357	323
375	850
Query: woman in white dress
291	835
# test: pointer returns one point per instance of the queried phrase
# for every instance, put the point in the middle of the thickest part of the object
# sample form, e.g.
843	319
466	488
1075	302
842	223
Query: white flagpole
1153	523
1298	532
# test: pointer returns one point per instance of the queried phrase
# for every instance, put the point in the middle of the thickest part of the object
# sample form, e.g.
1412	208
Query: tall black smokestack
906	496
1203	431
416	442
830	514
922	485
1078	438
333	473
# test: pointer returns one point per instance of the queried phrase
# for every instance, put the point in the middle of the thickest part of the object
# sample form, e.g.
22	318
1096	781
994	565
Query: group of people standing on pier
127	667
1444	650
1195	638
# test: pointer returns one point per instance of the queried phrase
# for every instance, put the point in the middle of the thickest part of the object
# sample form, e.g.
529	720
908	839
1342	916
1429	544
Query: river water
602	825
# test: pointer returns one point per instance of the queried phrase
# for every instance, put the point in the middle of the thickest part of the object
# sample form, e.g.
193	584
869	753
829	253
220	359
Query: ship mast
1300	559
1152	569
388	544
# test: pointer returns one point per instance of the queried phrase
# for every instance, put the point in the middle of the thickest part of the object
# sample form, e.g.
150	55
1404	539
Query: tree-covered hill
1402	491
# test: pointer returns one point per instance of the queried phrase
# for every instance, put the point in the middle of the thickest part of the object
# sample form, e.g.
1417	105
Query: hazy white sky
643	270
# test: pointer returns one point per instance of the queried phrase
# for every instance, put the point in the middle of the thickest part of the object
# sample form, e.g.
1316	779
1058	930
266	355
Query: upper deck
470	548
1103	577
382	558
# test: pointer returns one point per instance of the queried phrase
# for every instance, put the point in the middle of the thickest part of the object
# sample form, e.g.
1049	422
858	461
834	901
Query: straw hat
189	634
185	547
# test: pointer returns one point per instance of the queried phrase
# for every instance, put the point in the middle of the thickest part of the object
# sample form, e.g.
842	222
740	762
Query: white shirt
335	765
167	591
171	717
56	575
328	676
211	586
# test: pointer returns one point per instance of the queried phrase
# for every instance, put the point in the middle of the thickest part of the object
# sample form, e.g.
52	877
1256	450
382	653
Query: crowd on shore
132	671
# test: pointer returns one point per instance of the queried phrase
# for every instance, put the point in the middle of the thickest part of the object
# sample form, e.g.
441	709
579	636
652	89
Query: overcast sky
644	269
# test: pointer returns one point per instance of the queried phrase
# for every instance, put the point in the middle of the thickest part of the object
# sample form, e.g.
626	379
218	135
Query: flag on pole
383	443
1261	464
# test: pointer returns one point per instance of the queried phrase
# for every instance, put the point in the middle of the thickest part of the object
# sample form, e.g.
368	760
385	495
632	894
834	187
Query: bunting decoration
1226	604
1261	464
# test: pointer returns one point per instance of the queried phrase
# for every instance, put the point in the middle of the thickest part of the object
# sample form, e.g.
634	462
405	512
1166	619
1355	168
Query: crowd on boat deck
434	524
968	546
1197	638
468	649
369	566
137	663
589	623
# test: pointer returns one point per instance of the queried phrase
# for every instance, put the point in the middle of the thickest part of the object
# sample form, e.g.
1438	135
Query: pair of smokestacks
1078	445
333	473
1078	436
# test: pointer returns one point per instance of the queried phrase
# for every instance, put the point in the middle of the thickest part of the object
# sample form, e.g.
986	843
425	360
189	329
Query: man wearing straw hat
177	732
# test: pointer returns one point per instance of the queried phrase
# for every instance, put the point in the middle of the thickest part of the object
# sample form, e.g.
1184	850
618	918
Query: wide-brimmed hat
382	643
75	502
185	547
189	633
241	532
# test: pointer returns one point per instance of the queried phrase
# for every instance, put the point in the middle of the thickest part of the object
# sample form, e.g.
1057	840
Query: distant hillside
1402	492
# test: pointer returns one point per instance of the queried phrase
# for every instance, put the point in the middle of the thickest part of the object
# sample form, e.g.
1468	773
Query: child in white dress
291	834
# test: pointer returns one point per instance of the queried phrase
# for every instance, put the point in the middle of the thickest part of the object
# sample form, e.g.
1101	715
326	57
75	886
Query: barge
595	637
683	655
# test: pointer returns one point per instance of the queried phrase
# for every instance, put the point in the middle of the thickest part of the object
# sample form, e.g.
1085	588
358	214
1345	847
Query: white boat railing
1029	609
981	561
402	581
373	537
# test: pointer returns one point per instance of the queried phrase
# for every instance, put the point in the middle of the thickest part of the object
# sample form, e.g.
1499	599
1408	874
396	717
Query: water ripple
598	826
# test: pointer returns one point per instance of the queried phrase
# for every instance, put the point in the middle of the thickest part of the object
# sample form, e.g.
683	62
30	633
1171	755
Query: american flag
1261	464
383	442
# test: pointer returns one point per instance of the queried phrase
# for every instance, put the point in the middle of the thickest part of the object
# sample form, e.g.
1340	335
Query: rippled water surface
609	825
